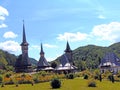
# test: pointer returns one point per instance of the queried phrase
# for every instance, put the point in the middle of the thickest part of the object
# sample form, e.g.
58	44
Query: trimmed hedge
55	83
70	76
91	83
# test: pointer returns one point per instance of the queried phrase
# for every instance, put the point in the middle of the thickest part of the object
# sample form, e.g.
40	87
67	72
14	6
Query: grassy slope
76	84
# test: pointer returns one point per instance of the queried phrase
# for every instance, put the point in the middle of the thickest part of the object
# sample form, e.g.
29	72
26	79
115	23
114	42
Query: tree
53	64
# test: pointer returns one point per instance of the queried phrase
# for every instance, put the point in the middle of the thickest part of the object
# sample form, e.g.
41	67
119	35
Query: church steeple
24	42
24	36
68	48
23	63
42	64
42	52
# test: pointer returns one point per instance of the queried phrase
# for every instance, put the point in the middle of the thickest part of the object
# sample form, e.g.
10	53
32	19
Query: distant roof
46	68
64	60
42	62
110	59
67	66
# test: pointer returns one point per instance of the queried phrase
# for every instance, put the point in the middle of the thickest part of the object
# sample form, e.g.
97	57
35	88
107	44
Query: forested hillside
88	57
7	59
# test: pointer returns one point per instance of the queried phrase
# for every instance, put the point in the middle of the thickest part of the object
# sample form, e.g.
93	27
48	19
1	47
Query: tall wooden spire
42	52
68	48
23	63
24	42
24	36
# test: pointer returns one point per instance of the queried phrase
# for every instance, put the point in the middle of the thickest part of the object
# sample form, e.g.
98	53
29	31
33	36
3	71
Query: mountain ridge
89	56
85	57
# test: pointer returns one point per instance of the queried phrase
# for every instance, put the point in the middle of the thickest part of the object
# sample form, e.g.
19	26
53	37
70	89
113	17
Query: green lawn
75	84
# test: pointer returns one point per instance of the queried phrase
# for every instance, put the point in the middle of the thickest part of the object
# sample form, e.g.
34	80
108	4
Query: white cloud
2	18
110	32
3	25
3	13
104	32
49	46
10	46
72	36
9	34
101	17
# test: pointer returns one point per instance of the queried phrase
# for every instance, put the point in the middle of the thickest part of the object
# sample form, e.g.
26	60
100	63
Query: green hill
88	57
7	59
83	57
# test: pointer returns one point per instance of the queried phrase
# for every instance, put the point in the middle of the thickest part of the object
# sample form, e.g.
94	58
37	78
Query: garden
86	80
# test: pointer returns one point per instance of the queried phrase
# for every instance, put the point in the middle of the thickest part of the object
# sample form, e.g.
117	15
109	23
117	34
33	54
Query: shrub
8	75
106	74
55	83
42	73
91	83
111	78
2	71
85	76
2	85
36	80
10	82
116	78
70	76
23	75
96	77
77	75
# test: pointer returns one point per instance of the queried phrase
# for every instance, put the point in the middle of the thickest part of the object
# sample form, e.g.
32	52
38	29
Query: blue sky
53	22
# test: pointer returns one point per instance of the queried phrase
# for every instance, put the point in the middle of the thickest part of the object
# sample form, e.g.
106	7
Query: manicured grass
74	84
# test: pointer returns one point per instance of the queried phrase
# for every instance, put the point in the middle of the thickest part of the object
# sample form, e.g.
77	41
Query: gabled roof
110	59
43	62
64	60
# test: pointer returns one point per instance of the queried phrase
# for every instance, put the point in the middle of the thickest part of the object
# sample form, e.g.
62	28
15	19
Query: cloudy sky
53	22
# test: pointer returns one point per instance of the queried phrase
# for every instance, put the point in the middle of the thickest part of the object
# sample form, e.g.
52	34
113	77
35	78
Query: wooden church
66	62
43	64
23	63
110	62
